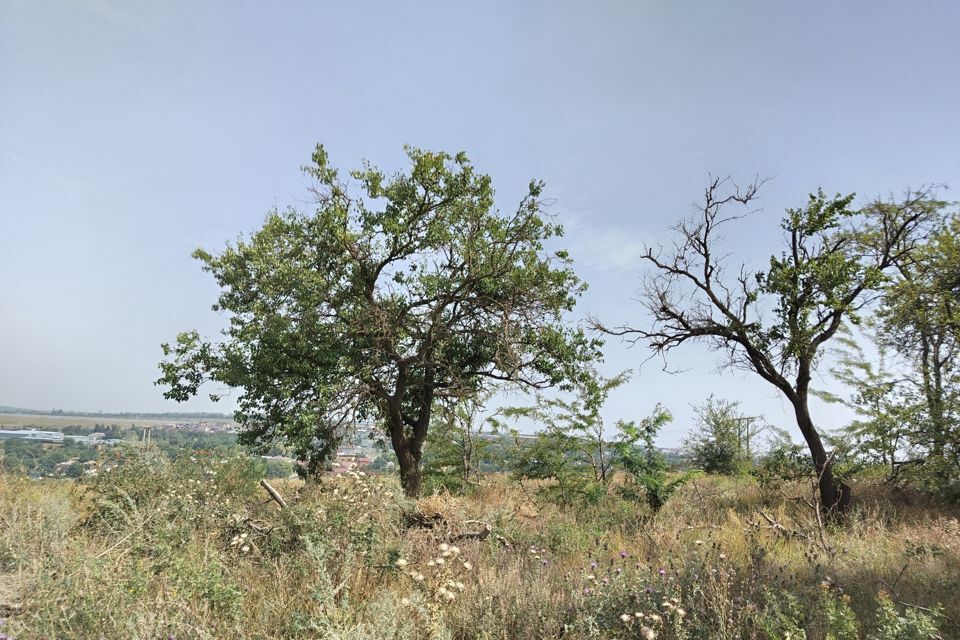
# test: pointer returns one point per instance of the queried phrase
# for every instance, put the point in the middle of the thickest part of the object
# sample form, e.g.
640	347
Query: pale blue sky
132	132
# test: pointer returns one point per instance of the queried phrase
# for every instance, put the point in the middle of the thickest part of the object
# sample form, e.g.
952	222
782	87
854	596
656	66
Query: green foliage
908	624
775	322
781	616
577	453
838	620
461	444
647	470
573	437
880	434
811	283
920	321
382	303
908	410
721	443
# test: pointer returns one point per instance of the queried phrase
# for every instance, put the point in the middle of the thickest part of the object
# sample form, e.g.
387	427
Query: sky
133	132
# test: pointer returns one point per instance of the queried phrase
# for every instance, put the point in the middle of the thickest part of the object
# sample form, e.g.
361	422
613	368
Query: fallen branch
776	526
484	531
422	520
273	494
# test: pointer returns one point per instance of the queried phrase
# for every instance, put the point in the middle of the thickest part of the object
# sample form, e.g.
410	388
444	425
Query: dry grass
197	550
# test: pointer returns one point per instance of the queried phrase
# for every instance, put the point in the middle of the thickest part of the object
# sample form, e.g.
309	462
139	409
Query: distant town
58	443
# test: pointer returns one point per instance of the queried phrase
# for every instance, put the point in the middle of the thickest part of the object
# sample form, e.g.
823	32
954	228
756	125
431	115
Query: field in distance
57	422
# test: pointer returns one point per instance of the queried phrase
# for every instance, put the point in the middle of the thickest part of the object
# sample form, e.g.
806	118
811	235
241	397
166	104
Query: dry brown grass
147	555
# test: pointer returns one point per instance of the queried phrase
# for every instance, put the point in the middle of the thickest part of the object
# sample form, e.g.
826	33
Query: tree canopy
398	292
775	321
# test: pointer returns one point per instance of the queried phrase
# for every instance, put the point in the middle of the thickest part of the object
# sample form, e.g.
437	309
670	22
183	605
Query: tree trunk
408	450
834	494
410	477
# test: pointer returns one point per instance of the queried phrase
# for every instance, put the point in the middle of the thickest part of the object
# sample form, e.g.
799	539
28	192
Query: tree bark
410	477
834	494
408	450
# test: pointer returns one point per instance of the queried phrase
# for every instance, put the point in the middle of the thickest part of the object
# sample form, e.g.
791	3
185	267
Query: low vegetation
195	548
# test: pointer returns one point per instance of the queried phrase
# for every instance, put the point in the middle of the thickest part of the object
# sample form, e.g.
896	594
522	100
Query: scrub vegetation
197	549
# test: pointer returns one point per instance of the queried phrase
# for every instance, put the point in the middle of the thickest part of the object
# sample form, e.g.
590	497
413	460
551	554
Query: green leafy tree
886	415
722	440
575	426
385	303
775	322
581	453
573	444
919	320
647	469
459	443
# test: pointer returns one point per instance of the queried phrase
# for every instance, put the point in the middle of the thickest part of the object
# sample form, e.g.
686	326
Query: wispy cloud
609	250
603	247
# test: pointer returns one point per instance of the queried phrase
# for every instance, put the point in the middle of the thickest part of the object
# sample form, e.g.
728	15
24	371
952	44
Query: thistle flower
467	565
626	618
401	563
647	633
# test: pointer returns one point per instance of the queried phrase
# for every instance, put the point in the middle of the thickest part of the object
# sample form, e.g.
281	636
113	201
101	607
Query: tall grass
195	549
